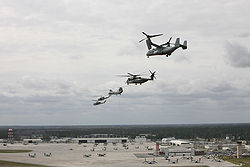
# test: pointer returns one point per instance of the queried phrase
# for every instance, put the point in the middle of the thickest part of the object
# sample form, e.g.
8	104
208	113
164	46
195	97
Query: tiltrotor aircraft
163	49
99	102
103	98
118	92
136	79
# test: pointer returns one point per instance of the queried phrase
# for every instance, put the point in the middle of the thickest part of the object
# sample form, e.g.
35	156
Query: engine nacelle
148	41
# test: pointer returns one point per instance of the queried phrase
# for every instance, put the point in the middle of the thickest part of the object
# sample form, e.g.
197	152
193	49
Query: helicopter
101	154
118	92
47	154
99	102
87	155
163	49
136	79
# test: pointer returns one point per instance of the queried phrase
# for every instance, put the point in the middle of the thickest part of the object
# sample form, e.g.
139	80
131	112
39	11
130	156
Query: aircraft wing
155	45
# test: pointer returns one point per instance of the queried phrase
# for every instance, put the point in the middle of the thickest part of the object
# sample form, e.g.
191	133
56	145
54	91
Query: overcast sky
56	56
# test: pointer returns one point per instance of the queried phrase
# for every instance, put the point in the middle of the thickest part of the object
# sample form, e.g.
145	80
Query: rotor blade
167	43
142	40
145	33
151	36
164	44
153	74
134	75
169	39
124	75
130	74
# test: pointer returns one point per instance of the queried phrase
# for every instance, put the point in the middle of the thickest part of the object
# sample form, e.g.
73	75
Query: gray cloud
244	35
237	55
56	56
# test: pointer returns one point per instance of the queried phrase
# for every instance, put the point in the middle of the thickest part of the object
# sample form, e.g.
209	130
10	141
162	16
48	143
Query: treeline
206	131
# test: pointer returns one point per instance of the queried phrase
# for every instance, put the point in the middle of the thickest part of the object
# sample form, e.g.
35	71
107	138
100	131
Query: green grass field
15	151
245	161
17	164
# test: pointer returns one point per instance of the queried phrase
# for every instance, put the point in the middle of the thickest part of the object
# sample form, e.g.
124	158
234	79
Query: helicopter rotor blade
169	39
149	36
145	33
167	43
152	74
134	75
124	75
142	40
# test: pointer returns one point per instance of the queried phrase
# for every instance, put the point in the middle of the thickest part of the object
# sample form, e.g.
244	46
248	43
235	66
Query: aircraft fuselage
137	81
161	51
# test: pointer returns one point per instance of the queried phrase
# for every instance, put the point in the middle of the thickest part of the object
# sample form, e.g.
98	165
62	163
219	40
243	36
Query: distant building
223	146
178	151
100	140
62	140
3	141
140	139
34	141
182	143
167	140
247	147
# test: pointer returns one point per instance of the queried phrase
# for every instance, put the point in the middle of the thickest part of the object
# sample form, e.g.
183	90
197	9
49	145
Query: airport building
3	141
166	141
34	141
181	143
62	140
232	147
100	140
140	139
179	151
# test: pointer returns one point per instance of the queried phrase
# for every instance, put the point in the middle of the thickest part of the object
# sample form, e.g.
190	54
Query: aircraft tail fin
177	42
120	90
152	76
184	46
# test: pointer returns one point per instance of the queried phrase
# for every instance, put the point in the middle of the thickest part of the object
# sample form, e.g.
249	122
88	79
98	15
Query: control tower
10	135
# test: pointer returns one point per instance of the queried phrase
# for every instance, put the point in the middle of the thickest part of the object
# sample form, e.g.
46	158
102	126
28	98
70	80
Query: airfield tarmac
71	155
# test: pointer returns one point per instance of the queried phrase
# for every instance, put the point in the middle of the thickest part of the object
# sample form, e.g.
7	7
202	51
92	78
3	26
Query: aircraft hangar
100	140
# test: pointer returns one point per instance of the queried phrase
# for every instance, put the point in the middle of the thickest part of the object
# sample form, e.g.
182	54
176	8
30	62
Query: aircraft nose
149	52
